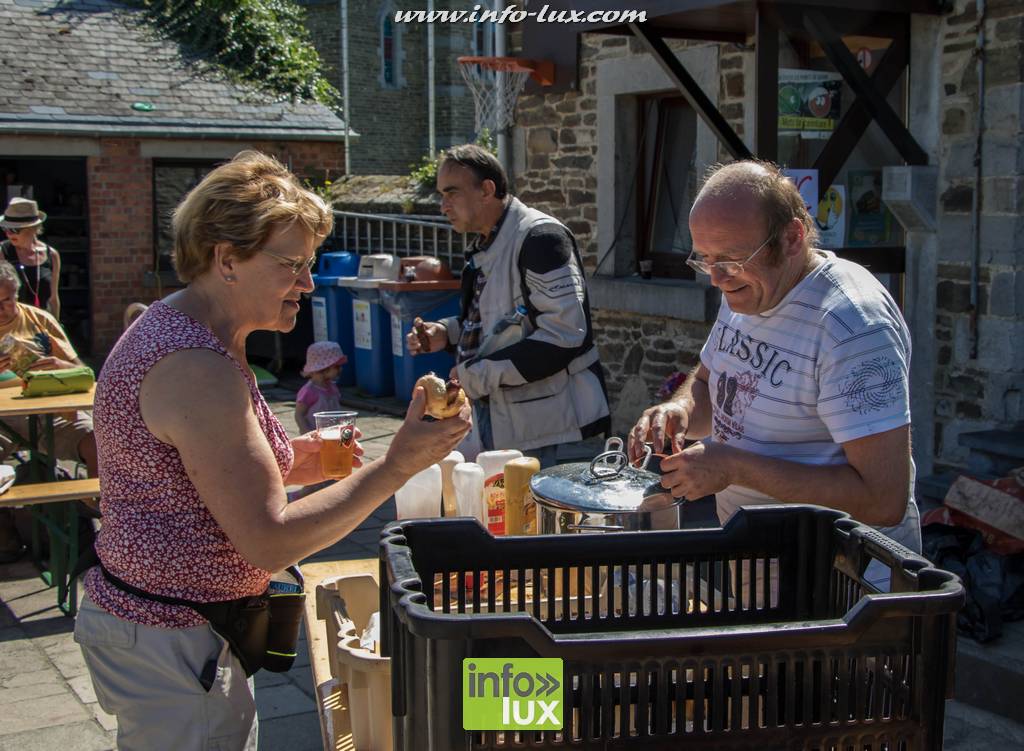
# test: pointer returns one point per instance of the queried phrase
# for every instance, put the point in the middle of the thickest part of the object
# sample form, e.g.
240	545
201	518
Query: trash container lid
426	286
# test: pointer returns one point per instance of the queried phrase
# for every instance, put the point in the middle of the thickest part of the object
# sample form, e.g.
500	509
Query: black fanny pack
262	630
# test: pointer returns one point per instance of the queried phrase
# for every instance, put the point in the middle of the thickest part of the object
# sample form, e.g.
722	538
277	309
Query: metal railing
400	235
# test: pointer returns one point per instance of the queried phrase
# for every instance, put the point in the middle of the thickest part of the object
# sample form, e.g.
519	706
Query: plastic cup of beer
337	433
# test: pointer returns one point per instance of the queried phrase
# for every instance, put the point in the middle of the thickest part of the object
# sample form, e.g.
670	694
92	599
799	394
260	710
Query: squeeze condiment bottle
468	480
447	487
493	463
517	492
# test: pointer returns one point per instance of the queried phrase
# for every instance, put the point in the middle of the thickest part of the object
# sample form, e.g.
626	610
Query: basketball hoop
497	82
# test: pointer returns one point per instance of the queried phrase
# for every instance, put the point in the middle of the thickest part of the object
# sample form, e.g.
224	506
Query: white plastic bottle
468	479
493	463
420	497
448	507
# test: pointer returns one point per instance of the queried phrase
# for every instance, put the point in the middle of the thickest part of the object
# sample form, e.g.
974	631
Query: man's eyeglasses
295	265
728	268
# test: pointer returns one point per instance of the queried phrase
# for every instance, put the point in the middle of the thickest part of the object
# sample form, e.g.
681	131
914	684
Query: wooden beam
858	80
766	87
857	118
877	260
693	93
679	32
876	23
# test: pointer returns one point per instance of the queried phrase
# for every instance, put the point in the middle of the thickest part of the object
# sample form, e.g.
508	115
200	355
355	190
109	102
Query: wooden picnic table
53	503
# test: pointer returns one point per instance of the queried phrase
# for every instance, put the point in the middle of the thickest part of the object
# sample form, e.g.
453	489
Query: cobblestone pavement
46	697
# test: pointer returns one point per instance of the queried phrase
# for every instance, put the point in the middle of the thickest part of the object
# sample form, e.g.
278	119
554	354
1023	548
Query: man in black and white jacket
548	387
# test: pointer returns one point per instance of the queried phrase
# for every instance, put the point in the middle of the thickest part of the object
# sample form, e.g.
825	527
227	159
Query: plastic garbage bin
371	334
332	306
431	301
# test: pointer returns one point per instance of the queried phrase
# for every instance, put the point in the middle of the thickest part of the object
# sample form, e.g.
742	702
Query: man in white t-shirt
801	394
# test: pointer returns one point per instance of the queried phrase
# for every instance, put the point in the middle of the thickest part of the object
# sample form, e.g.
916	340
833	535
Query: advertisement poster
361	324
809	100
870	220
807	183
830	218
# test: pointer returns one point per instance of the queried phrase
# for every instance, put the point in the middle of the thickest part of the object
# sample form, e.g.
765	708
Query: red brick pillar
121	234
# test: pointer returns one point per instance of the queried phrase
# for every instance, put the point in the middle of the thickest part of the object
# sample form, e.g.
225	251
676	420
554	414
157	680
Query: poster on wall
830	218
809	101
361	324
807	183
870	220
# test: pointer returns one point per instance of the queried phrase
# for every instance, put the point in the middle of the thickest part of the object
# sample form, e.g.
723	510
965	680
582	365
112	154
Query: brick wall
121	240
120	184
392	121
985	391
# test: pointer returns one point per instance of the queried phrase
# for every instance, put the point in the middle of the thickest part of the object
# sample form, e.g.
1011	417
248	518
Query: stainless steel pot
607	494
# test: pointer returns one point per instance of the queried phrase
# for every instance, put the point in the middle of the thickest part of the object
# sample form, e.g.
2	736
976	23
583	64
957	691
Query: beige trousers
151	679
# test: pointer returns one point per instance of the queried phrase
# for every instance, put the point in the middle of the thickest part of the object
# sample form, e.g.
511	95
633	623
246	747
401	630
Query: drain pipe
979	55
343	33
501	50
431	88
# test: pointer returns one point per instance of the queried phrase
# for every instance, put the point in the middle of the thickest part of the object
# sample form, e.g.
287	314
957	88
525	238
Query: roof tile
90	60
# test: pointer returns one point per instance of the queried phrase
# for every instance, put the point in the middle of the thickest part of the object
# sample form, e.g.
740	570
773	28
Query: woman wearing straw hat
37	263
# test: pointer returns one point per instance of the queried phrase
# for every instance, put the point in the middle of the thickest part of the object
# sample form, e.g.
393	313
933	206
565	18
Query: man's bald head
739	188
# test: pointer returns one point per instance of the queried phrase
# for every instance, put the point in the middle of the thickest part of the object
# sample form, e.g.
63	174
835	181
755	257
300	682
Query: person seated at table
193	465
29	329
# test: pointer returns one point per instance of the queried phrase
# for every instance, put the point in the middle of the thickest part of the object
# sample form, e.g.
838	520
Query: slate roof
77	67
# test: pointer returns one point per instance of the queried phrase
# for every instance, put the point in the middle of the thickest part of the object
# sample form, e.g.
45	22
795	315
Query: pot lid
608	484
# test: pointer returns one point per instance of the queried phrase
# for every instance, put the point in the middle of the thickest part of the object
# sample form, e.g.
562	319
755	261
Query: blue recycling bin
371	335
332	307
431	301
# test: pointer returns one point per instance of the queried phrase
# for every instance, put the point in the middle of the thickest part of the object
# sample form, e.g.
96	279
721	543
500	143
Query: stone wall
973	393
556	158
556	171
392	121
639	353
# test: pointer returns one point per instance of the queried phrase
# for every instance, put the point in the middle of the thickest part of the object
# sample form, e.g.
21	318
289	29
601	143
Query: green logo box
522	693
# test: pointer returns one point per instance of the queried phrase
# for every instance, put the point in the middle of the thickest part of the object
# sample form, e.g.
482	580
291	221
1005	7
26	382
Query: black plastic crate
763	635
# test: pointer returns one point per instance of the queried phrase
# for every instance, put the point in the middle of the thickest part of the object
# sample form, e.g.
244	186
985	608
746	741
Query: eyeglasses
728	268
295	265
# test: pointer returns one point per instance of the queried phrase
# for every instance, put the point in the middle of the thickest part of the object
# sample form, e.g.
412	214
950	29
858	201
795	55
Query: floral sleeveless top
156	534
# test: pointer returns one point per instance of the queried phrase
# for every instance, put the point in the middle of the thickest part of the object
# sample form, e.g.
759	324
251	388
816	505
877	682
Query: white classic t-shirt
827	365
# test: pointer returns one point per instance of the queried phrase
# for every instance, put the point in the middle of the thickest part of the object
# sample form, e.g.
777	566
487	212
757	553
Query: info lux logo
512	694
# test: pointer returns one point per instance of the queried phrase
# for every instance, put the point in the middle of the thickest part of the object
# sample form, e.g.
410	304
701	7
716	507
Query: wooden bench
51	508
31	494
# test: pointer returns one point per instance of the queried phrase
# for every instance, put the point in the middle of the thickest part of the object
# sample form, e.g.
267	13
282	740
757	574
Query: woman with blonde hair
193	466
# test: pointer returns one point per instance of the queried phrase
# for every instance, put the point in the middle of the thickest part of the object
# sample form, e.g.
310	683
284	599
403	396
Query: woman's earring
230	278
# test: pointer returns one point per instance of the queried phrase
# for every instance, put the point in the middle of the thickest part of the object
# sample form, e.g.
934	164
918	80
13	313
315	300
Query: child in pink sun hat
320	394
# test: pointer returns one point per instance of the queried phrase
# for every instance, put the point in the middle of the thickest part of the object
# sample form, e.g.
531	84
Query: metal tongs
610	462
